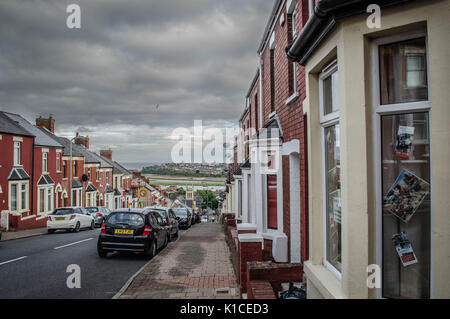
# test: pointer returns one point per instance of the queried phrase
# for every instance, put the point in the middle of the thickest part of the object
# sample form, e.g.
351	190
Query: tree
209	198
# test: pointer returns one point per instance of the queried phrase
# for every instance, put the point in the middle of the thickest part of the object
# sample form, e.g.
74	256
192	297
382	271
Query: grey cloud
195	58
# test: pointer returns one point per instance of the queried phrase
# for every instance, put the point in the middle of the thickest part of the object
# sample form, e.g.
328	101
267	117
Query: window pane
24	196
330	94
333	196
41	200
403	72
406	203
13	197
49	199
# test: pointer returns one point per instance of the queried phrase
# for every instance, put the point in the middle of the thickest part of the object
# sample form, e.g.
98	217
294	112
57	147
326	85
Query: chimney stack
82	141
106	153
49	123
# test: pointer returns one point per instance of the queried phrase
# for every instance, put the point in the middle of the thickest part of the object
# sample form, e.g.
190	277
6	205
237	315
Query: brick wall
248	251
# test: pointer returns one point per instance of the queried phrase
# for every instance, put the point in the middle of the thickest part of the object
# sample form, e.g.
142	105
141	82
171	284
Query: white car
70	218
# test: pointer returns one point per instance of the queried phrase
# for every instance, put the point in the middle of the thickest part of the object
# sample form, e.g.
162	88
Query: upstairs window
17	151
44	161
58	161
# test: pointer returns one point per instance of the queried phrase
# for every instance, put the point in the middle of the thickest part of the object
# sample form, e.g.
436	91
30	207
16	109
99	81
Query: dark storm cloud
194	58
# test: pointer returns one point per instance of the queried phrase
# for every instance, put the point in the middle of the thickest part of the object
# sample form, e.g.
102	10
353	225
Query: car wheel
77	227
167	240
51	231
101	253
92	225
151	252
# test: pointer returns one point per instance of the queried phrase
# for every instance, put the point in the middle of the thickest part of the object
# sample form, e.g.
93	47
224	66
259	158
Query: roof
327	13
8	126
103	163
41	139
271	21
123	169
76	184
18	174
65	142
117	168
88	155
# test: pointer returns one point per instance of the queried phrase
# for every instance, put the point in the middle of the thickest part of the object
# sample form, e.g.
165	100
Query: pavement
197	266
23	233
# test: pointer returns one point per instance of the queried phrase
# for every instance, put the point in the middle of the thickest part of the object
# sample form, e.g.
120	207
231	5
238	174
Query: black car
99	213
171	220
184	217
133	230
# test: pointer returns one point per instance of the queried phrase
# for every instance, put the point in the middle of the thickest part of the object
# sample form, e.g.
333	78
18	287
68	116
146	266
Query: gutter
326	14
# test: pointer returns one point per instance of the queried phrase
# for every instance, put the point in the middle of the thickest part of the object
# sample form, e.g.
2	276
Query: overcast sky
195	58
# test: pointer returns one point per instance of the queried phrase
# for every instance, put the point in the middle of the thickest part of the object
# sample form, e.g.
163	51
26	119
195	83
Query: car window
162	212
63	212
180	212
92	210
130	219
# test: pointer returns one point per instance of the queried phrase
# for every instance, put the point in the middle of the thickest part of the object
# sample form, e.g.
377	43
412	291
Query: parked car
69	218
133	230
171	219
184	217
99	213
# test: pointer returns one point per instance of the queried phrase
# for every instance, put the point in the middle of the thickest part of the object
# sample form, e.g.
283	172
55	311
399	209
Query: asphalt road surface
36	267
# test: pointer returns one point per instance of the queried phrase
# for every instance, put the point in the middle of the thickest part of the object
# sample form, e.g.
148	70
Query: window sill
324	281
292	98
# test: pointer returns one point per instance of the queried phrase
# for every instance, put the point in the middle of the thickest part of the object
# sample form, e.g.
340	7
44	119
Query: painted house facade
378	127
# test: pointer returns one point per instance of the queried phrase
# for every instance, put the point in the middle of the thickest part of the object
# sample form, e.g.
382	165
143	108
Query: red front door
272	201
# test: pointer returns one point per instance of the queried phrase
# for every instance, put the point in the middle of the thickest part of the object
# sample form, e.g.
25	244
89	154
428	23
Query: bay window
403	148
45	199
329	118
18	196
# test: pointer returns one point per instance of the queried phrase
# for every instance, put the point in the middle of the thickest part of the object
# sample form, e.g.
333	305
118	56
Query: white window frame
44	161
78	197
327	121
19	208
390	109
58	161
17	156
47	195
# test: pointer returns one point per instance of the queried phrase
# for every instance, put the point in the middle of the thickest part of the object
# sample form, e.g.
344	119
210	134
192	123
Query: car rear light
147	231
103	228
167	221
99	214
49	218
72	217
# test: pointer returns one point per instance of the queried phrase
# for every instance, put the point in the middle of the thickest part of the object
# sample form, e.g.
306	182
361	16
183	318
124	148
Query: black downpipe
32	179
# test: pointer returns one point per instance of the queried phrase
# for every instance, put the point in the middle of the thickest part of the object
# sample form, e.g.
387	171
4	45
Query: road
35	267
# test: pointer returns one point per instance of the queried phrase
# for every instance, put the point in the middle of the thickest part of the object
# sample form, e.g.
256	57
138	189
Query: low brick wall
258	289
267	251
16	223
248	252
274	273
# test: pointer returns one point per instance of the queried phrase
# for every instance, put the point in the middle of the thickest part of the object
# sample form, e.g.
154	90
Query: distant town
187	170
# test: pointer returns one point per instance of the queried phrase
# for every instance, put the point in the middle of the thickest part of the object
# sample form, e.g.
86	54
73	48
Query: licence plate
123	231
60	218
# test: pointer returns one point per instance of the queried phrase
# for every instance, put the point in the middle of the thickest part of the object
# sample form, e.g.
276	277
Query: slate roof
18	174
76	184
117	168
41	139
103	163
123	169
91	188
45	180
65	142
9	126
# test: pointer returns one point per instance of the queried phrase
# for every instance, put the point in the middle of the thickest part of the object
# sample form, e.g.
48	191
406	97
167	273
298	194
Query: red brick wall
7	163
291	115
247	252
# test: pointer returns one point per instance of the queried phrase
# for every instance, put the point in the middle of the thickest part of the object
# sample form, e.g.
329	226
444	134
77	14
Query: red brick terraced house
268	186
16	167
46	176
